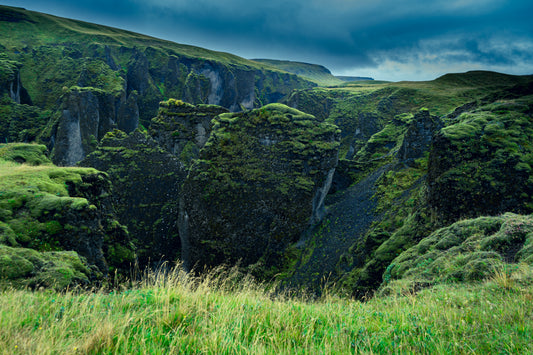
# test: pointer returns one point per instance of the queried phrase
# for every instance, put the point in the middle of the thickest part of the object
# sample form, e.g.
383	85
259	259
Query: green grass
226	313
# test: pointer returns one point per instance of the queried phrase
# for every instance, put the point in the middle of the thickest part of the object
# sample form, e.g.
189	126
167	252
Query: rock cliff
260	182
146	189
183	129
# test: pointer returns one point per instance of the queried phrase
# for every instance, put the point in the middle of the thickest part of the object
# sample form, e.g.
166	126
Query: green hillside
22	28
54	53
313	72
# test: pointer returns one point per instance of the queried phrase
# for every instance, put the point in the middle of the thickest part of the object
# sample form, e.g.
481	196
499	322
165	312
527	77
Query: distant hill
313	72
353	78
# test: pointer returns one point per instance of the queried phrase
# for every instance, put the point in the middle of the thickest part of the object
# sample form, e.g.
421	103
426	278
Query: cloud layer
388	39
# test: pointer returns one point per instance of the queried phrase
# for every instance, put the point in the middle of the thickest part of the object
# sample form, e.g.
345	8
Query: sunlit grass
228	313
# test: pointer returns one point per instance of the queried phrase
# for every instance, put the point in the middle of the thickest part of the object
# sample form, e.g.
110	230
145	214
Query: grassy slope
313	72
232	315
40	29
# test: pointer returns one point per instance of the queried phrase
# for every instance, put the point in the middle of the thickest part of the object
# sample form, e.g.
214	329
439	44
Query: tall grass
225	312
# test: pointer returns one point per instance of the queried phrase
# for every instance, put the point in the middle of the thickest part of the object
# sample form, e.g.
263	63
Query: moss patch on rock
481	164
467	251
23	267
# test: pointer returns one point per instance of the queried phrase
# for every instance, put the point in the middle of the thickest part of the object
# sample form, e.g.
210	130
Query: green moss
189	152
32	154
7	235
469	250
22	267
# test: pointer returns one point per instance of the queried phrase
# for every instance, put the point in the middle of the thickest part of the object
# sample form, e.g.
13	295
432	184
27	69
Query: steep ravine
349	215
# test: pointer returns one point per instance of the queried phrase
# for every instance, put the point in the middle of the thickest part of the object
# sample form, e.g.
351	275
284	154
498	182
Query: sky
384	39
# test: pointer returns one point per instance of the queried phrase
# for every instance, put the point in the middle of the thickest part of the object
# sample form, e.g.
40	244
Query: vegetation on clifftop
49	216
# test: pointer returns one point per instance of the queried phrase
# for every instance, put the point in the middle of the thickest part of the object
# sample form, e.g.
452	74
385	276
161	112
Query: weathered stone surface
418	137
146	187
260	182
182	128
10	83
84	117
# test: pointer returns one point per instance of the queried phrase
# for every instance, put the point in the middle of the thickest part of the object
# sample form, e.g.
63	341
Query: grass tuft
226	312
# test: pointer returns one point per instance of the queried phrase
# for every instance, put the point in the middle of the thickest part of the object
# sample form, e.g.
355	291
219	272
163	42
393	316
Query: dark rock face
84	116
146	187
18	120
418	137
183	129
10	83
260	182
201	82
367	125
96	231
481	165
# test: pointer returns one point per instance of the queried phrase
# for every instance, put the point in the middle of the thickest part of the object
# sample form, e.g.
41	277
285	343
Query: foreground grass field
225	313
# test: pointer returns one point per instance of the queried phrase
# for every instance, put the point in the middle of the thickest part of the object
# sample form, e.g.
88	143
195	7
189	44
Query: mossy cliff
105	78
260	182
481	162
19	120
62	214
183	129
146	190
84	116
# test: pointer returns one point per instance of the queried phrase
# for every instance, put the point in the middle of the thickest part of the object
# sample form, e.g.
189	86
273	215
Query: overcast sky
385	39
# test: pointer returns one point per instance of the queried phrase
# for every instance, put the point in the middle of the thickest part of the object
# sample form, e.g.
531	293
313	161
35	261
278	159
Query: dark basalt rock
10	83
183	129
418	137
260	182
146	188
85	115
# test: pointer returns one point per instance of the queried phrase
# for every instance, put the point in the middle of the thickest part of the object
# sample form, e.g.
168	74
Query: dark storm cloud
341	34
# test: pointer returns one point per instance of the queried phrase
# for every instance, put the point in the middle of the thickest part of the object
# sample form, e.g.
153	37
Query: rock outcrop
85	115
183	129
481	165
418	137
146	186
10	82
260	182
